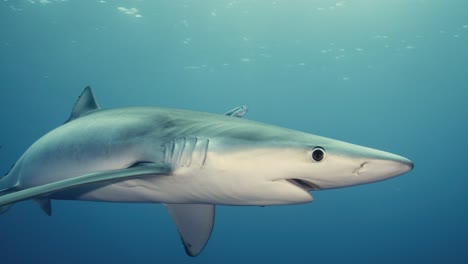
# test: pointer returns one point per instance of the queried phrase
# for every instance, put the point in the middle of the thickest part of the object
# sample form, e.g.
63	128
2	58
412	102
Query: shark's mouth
305	185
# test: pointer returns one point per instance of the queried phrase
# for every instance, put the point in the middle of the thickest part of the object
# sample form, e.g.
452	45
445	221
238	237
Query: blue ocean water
391	75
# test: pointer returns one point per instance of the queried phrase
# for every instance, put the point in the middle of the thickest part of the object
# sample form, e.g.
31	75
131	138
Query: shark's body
188	160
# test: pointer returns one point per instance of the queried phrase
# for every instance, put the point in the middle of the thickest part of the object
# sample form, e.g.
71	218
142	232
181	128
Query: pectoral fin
194	223
148	169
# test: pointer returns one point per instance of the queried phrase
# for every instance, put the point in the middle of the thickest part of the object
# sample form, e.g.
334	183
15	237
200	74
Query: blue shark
190	161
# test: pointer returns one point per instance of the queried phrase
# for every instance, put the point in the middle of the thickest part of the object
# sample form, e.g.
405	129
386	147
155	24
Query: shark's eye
318	153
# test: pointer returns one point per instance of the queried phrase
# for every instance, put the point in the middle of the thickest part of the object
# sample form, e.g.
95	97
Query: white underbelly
201	186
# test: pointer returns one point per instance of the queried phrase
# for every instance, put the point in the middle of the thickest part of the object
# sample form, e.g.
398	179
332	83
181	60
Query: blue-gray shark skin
189	161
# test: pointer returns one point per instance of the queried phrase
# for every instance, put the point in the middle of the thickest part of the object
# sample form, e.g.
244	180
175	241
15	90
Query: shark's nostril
362	166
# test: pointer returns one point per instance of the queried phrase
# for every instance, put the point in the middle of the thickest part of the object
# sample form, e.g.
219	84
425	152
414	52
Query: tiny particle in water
381	37
185	23
187	41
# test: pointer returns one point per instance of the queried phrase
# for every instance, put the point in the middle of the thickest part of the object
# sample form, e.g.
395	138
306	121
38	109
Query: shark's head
328	164
310	162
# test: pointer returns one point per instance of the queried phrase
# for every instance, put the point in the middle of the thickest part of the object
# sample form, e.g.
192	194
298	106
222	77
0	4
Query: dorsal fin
85	104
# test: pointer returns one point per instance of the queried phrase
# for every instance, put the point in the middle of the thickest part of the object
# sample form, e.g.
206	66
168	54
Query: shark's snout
383	168
347	165
408	163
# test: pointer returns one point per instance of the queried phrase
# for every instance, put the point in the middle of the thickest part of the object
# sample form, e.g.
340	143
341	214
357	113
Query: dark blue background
390	75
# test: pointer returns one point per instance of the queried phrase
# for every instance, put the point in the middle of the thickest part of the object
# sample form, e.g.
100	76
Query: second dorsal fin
85	104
